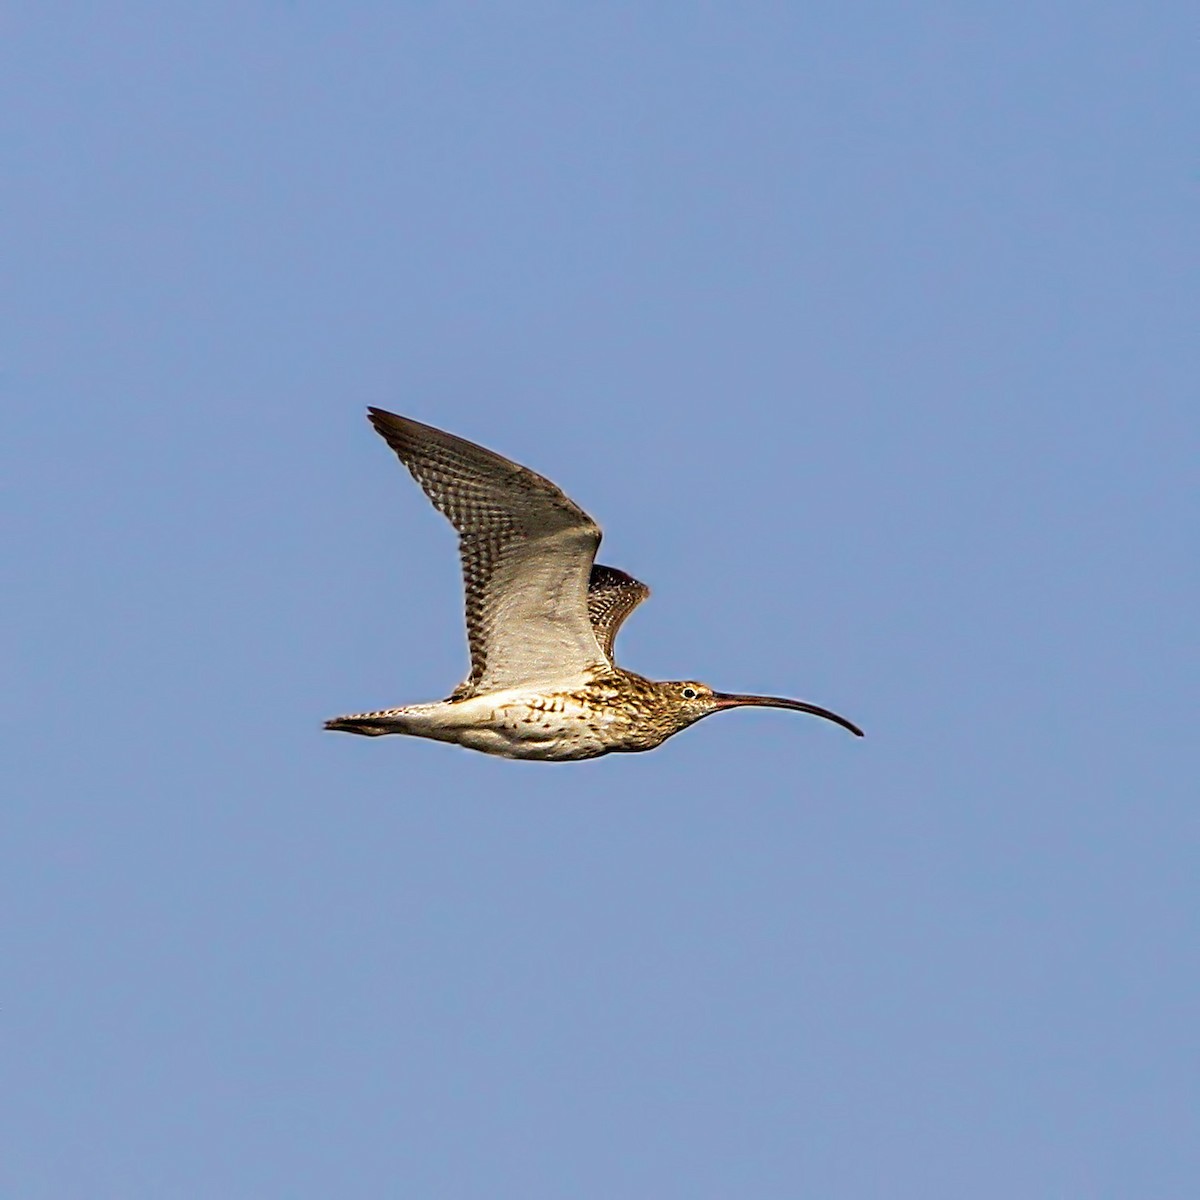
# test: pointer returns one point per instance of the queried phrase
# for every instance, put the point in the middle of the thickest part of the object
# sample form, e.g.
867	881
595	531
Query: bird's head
690	701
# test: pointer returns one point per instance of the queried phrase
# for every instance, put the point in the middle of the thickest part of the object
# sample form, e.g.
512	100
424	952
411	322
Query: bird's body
569	721
541	620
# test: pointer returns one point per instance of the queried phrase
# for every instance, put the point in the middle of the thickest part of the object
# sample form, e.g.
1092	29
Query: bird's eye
689	693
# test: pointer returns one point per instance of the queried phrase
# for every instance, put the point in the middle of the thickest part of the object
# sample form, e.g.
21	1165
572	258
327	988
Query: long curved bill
734	700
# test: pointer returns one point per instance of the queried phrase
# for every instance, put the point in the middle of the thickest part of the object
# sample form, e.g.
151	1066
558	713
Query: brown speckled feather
526	551
612	596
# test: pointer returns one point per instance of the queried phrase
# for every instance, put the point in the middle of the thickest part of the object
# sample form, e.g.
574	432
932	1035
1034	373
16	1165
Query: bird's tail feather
374	724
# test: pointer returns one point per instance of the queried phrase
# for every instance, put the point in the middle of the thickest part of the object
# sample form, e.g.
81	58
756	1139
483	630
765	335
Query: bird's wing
612	596
526	551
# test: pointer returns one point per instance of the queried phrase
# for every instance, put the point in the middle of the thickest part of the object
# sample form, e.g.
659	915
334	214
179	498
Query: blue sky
867	334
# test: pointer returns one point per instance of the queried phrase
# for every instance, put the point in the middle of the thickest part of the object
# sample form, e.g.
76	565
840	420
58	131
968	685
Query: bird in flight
542	617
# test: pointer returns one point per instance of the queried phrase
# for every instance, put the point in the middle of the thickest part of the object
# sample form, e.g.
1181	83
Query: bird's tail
372	724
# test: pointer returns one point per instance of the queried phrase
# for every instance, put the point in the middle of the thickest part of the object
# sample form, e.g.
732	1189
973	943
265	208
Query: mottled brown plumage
542	617
612	596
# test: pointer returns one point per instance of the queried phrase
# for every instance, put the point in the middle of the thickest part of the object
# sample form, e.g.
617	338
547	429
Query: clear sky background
866	331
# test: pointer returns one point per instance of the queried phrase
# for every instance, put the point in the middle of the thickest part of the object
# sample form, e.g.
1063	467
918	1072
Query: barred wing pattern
526	552
612	596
